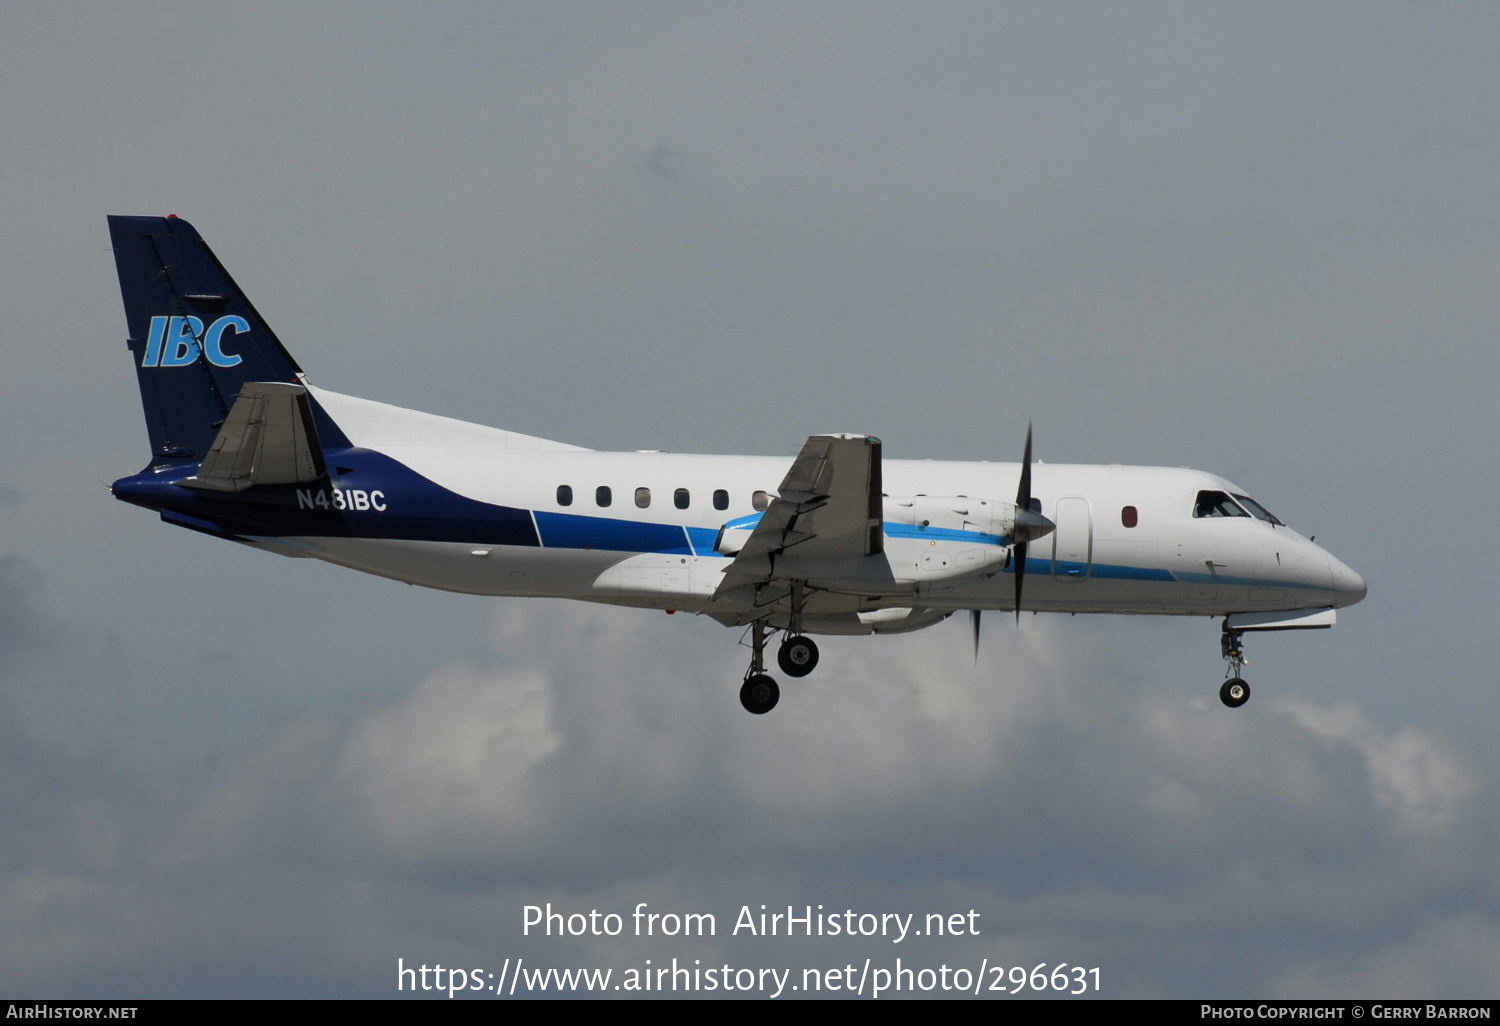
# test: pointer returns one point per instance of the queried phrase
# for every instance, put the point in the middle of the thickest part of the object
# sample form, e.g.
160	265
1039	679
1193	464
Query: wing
830	508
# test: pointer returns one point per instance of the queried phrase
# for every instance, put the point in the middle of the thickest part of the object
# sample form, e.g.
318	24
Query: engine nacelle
932	543
940	540
938	514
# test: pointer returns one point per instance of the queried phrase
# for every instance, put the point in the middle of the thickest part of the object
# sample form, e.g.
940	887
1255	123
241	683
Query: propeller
1029	525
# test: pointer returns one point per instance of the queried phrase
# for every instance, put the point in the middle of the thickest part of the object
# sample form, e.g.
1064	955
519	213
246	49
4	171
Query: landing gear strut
1235	692
760	693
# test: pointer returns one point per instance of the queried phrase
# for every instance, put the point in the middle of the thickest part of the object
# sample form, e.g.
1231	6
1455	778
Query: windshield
1259	511
1217	504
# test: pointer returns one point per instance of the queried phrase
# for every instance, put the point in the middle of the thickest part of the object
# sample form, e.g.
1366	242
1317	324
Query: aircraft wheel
759	694
1235	692
797	656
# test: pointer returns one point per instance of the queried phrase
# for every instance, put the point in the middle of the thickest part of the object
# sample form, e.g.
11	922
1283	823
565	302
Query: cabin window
1217	504
565	495
1128	516
721	499
642	497
680	498
603	496
760	500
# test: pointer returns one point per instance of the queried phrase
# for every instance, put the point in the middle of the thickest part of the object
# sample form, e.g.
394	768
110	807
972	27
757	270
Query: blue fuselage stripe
1226	580
942	534
703	539
571	531
1100	571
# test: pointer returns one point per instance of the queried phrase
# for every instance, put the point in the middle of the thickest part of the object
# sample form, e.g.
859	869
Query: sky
1257	239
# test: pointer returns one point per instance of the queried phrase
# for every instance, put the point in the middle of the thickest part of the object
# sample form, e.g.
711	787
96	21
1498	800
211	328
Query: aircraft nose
1348	586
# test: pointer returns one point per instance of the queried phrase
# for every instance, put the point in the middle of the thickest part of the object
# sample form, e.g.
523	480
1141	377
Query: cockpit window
1217	504
1257	510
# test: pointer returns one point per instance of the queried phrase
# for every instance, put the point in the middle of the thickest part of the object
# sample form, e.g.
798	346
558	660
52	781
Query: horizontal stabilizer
268	438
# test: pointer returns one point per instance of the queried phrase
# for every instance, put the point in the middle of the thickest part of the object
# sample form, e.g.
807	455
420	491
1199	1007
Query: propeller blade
1020	560
1023	494
974	621
1023	502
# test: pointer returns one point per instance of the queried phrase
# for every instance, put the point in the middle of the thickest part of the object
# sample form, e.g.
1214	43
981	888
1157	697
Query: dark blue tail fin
194	336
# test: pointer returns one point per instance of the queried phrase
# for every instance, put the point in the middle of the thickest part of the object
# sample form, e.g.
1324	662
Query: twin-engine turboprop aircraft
244	447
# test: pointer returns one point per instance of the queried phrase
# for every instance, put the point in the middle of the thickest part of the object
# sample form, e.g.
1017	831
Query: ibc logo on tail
177	341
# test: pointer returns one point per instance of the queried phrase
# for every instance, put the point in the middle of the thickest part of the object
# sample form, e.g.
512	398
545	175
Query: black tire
797	656
759	694
1235	692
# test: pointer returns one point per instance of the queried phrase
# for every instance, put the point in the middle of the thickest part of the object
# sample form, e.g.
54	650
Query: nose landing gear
1234	692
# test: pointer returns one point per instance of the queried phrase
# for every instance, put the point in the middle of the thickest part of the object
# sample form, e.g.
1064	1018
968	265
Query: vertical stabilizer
195	338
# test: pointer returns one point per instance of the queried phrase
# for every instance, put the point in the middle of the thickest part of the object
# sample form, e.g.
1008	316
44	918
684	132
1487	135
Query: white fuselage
1126	538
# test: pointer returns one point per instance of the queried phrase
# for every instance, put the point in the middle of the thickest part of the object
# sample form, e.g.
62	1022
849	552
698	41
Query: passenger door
1073	539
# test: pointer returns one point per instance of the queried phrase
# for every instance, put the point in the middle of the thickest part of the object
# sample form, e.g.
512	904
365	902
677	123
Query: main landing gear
797	657
1235	692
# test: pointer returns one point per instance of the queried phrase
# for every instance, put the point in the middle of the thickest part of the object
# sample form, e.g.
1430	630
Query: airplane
839	541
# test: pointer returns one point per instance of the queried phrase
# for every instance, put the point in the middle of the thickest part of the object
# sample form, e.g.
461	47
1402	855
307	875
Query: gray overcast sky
1260	239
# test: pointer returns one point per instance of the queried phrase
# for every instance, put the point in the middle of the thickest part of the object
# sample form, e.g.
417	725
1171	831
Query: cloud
1051	797
24	626
1452	956
1154	833
1412	774
463	748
